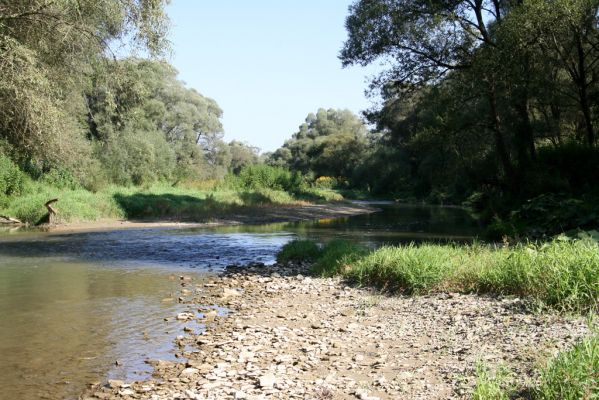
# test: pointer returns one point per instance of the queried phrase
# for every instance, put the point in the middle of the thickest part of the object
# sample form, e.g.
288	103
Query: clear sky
268	63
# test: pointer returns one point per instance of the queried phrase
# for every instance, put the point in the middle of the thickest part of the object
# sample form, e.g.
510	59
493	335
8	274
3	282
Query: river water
82	307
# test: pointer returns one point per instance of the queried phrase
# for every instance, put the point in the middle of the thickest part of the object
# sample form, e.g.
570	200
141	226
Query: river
82	307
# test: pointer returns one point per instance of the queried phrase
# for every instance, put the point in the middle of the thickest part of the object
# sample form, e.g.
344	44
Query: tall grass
559	274
299	250
336	256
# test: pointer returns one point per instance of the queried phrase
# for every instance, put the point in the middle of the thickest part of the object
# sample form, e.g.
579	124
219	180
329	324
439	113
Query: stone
230	293
189	371
267	381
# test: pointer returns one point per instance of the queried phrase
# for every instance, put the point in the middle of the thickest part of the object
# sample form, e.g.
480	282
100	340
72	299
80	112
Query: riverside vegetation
253	186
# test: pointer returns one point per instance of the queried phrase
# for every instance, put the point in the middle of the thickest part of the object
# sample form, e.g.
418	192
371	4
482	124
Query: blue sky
268	63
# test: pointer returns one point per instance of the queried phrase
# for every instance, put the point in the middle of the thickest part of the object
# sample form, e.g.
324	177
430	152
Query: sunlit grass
156	201
560	274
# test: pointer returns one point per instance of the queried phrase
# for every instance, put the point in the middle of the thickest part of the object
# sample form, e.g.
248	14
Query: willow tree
47	48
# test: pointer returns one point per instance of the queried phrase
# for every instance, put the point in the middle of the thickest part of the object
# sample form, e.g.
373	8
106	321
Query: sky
267	63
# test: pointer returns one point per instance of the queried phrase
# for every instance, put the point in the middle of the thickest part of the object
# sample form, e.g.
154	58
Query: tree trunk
583	95
502	151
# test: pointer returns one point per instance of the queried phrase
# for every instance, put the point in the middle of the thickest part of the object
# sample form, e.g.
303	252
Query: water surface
72	305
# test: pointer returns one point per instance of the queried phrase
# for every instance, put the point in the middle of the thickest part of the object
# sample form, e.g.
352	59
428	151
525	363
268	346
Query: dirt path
289	336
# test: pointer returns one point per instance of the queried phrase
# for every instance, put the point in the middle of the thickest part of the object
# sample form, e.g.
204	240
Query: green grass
573	374
299	250
490	386
157	201
335	256
560	274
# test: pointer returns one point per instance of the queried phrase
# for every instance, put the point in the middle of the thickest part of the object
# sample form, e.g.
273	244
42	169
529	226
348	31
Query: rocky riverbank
286	335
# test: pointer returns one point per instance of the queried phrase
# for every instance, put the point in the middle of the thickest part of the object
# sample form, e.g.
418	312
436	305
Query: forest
489	104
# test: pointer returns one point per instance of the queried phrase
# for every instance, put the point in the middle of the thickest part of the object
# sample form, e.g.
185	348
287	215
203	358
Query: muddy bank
246	215
292	336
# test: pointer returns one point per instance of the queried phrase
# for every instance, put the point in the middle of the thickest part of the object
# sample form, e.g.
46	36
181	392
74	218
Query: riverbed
86	306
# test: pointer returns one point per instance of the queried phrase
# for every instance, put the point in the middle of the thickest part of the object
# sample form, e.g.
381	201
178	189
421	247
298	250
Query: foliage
12	180
47	49
242	155
261	176
325	182
329	142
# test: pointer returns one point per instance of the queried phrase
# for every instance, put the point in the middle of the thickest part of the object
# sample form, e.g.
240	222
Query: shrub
262	176
325	182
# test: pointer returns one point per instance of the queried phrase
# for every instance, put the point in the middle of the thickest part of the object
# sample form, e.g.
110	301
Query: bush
262	176
60	178
325	182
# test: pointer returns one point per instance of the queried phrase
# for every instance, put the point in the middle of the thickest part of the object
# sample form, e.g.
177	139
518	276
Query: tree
47	48
329	142
425	41
146	99
242	155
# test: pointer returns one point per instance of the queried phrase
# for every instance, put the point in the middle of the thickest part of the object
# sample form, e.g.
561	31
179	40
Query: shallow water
72	305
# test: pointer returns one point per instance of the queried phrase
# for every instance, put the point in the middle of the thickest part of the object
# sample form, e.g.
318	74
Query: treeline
487	95
490	102
73	113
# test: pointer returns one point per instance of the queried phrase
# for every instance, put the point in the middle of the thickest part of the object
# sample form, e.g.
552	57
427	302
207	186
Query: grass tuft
337	256
490	386
573	374
299	250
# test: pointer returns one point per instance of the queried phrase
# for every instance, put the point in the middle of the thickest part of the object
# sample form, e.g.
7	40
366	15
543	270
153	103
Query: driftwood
52	212
5	219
